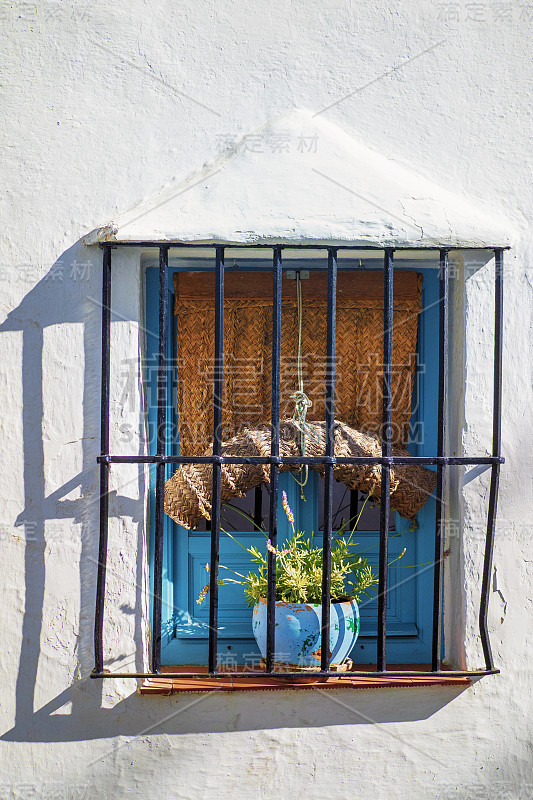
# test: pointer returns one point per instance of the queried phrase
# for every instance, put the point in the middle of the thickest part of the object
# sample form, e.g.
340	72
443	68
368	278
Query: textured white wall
103	103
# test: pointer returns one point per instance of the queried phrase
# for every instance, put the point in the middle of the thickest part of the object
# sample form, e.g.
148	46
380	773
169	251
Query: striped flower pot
298	631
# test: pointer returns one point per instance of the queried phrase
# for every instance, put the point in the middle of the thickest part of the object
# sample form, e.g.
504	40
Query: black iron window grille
442	462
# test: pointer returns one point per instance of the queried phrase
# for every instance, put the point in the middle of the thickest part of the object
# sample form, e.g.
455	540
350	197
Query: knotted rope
301	400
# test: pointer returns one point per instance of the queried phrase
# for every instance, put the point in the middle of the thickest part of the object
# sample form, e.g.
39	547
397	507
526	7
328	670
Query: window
399	627
248	320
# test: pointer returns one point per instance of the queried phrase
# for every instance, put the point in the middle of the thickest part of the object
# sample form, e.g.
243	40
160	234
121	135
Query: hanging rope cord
301	400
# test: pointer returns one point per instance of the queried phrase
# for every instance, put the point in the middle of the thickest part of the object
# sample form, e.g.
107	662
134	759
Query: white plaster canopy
303	179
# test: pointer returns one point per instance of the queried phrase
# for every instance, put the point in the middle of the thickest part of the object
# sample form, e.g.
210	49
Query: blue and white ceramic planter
298	631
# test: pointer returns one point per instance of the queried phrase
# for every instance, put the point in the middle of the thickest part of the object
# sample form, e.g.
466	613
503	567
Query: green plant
299	573
299	569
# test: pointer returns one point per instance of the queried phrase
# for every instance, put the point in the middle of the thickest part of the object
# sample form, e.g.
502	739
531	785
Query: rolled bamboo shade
248	343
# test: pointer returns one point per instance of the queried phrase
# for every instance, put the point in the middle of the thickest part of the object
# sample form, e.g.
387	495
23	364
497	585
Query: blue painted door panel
409	609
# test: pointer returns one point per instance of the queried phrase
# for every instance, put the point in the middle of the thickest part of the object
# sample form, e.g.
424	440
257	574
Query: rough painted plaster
103	103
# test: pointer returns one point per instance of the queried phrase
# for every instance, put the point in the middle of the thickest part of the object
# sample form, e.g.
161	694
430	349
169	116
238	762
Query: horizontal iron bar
297	460
270	245
288	675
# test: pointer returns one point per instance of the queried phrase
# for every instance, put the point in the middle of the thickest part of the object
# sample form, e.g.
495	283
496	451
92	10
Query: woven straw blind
248	342
188	491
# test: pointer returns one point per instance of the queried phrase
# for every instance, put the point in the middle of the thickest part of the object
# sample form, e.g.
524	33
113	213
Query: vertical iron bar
218	389
258	506
162	369
354	506
330	452
440	512
388	270
496	451
104	468
274	450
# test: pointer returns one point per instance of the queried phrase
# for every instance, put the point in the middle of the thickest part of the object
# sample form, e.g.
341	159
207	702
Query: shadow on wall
219	712
69	294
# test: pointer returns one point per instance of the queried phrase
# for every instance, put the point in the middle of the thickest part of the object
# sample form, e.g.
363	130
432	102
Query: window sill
261	682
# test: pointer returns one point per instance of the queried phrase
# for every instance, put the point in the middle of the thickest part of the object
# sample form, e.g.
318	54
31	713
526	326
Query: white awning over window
303	179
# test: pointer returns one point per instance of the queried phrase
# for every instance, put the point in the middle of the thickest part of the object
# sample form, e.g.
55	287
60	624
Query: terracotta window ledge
261	682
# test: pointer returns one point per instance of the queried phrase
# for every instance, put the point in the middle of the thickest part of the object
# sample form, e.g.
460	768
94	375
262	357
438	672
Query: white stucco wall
103	104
